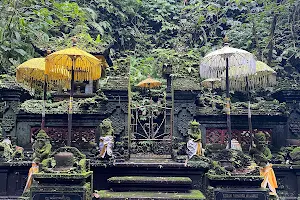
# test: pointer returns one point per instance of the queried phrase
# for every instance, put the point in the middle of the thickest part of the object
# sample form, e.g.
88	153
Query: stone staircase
150	188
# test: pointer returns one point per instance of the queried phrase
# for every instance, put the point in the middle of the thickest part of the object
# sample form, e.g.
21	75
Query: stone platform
109	195
143	183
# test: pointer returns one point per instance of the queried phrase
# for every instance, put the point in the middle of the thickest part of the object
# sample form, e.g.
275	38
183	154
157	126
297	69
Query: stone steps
145	183
146	195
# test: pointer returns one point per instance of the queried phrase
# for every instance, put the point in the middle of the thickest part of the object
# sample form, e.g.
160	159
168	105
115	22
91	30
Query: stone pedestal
236	187
240	194
62	186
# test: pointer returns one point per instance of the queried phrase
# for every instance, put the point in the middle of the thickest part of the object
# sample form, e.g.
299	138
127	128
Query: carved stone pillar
292	100
9	108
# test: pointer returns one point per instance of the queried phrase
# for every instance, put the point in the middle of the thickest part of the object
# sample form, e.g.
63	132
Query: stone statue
6	149
41	147
106	143
260	152
194	144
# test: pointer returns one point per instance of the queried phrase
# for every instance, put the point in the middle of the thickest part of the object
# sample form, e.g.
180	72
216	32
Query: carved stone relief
294	123
183	113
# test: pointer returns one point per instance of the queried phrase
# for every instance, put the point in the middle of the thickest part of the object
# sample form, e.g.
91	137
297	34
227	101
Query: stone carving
81	136
260	152
8	152
183	117
183	112
194	144
8	122
41	147
66	159
294	124
118	122
106	143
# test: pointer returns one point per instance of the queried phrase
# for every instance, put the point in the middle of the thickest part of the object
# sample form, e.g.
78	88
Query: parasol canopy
85	66
81	66
265	76
213	64
211	83
32	72
149	83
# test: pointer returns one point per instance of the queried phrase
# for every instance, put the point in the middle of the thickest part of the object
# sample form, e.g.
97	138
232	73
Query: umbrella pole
228	104
44	103
71	105
249	112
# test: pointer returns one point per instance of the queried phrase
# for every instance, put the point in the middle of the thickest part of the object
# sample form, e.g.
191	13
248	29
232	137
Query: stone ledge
192	194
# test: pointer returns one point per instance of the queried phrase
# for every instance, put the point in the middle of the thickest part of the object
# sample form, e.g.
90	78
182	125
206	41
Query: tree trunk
254	32
272	33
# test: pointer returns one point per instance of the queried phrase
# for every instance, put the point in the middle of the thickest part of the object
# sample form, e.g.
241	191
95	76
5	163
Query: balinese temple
170	146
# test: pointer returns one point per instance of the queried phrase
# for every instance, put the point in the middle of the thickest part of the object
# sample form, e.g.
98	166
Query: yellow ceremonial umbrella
81	65
149	83
32	72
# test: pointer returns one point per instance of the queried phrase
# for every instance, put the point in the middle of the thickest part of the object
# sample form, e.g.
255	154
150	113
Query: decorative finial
74	40
49	51
226	40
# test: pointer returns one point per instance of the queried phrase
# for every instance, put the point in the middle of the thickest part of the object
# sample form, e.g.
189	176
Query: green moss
145	179
295	154
87	105
186	84
63	175
235	177
9	82
193	194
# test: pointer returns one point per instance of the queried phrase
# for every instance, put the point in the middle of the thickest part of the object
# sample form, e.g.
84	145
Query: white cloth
106	146
235	145
194	148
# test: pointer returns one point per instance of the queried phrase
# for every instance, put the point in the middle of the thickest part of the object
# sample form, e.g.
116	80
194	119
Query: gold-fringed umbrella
149	83
214	64
32	73
81	65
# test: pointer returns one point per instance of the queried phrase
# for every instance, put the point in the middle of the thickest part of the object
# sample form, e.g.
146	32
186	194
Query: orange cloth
269	178
34	169
199	149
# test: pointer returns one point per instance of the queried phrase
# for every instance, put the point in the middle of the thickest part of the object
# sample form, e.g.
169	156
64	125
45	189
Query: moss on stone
235	177
80	106
63	175
146	179
186	84
9	82
193	194
115	83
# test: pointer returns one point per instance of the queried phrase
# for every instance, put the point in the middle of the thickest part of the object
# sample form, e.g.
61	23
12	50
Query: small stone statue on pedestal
41	147
260	152
106	143
194	144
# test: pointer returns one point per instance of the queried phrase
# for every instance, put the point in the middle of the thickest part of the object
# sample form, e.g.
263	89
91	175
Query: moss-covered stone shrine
133	143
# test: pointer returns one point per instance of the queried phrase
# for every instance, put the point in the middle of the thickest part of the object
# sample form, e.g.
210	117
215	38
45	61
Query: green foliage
154	32
42	23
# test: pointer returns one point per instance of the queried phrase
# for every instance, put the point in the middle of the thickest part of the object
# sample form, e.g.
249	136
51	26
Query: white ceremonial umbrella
215	63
